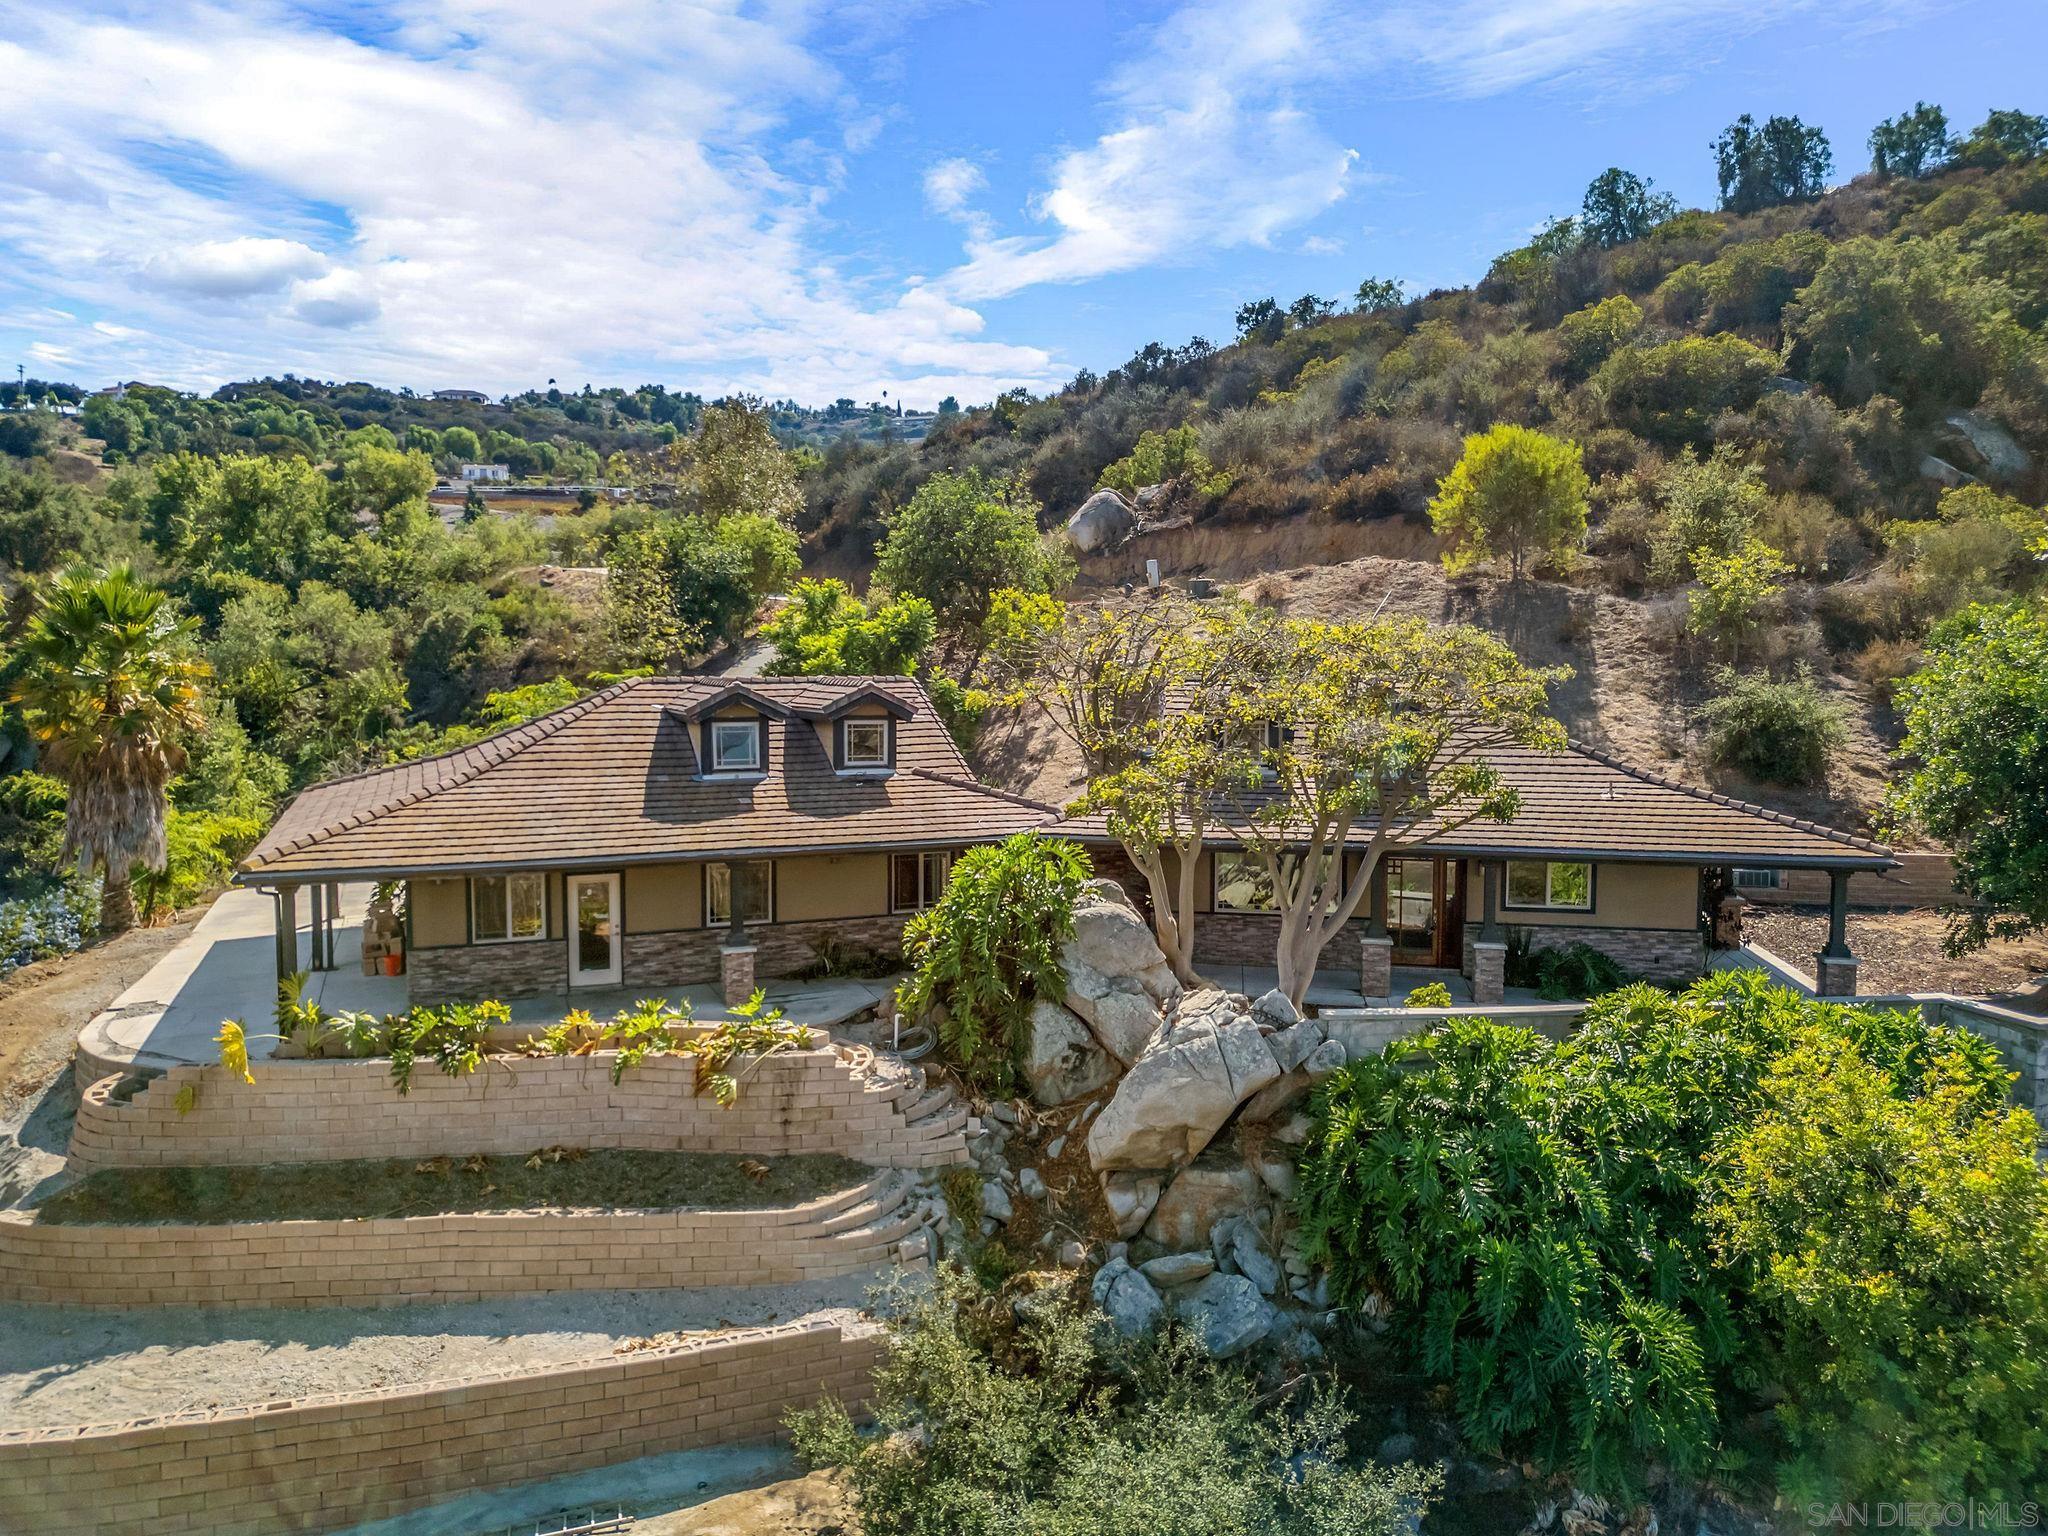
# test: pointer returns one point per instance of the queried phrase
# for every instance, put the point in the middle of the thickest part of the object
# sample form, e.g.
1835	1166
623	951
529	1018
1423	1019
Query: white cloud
948	184
230	269
493	194
340	298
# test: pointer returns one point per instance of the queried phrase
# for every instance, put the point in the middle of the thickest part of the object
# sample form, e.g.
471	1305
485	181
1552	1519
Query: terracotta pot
394	965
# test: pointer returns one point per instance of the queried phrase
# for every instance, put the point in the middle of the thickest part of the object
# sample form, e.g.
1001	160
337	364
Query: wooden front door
1426	911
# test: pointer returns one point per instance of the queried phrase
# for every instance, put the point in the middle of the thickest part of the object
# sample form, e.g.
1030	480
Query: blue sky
812	199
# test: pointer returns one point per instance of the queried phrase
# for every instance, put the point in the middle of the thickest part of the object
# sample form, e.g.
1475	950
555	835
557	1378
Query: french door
596	957
1426	911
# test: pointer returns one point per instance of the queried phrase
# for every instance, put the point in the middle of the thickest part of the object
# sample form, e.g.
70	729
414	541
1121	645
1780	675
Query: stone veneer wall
321	1463
1659	954
793	1102
389	1261
686	957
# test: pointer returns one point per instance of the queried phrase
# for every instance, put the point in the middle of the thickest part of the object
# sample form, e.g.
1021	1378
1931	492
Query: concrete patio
226	969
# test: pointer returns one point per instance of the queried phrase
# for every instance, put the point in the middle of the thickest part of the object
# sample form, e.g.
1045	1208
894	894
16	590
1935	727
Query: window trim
713	768
846	762
927	898
704	898
1590	904
509	937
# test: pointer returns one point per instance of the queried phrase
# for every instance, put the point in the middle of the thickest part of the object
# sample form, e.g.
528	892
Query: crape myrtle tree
1143	691
1382	729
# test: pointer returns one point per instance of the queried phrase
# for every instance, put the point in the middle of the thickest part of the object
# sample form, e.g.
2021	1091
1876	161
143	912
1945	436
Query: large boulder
1228	1312
1181	1091
1102	522
1126	1296
1325	1060
1064	1061
1202	1195
1117	976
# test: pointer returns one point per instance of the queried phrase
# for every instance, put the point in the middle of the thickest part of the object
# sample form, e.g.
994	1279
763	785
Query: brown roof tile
1583	803
614	779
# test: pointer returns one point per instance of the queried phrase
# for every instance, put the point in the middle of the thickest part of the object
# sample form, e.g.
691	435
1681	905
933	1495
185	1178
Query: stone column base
1489	973
1376	967
1835	975
736	972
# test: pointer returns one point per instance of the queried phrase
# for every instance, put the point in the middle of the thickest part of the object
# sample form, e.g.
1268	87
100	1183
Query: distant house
475	396
492	472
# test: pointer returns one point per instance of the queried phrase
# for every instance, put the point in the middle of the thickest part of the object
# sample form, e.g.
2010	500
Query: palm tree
106	684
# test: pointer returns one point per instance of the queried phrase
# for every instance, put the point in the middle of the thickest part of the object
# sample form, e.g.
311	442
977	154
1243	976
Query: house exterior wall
1630	896
821	901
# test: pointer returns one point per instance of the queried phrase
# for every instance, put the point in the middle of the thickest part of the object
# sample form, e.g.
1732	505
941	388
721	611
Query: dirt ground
1901	952
43	1006
816	1505
82	1365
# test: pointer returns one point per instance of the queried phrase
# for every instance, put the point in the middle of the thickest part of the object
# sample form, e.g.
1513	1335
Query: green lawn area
407	1187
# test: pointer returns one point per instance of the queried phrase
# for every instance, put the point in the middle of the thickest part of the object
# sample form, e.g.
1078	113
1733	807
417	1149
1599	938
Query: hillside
1827	374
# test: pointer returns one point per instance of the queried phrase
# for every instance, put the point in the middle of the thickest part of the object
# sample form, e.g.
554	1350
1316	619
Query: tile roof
613	779
1582	803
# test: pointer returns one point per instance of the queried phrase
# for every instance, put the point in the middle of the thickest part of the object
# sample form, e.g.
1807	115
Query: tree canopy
1784	161
961	539
1517	495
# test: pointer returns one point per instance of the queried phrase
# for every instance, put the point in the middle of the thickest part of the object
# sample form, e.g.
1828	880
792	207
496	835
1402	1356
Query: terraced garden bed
554	1178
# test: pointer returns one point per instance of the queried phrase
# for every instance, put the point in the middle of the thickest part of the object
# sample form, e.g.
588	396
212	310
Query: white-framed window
1242	884
916	879
864	743
1547	885
1759	879
506	908
735	746
718	892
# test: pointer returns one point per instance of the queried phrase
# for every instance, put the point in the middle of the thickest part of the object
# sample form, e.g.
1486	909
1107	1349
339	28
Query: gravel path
77	1365
1901	952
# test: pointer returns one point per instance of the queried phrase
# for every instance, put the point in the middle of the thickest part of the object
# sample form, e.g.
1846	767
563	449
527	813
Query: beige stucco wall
440	912
1627	896
831	885
660	898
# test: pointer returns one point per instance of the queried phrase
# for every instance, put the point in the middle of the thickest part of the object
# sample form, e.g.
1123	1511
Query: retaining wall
389	1261
322	1463
827	1100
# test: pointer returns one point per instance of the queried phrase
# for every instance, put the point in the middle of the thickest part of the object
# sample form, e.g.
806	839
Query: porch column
1376	945
1835	968
1490	949
315	918
287	899
737	953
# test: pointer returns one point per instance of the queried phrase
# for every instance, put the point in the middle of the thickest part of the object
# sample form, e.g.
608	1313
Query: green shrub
1672	393
1431	994
1780	732
1898	1247
1589	336
989	1425
1574	970
990	947
1162	456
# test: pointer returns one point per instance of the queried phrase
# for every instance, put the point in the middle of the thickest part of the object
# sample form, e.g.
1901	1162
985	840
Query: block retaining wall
323	1463
389	1261
823	1101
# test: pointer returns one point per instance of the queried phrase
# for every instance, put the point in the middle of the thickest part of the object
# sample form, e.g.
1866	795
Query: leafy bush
1431	994
990	947
1162	456
1672	393
1590	336
1574	970
824	630
1545	1207
1780	732
54	923
1737	594
1898	1247
989	1425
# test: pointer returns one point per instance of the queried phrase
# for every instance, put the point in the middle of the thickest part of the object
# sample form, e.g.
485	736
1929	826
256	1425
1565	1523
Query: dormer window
735	746
865	743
